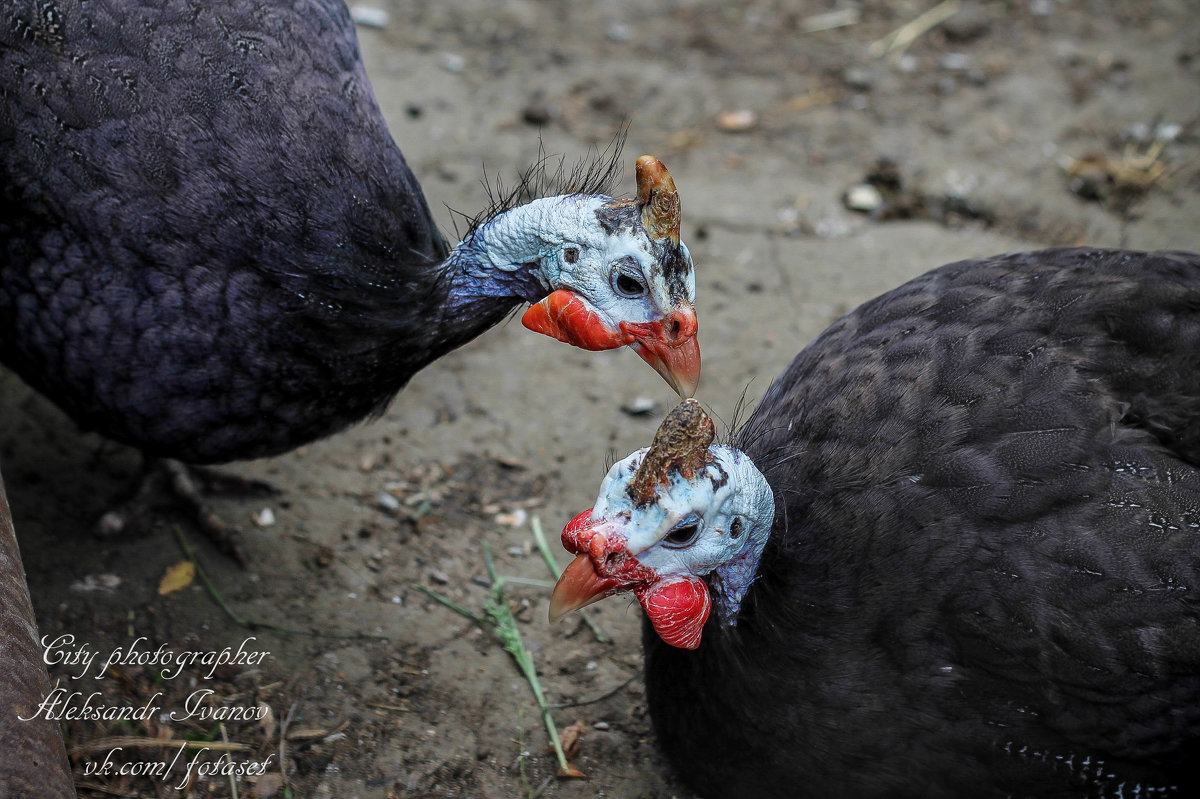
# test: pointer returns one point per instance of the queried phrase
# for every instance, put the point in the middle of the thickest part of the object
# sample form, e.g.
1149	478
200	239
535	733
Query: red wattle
566	316
677	609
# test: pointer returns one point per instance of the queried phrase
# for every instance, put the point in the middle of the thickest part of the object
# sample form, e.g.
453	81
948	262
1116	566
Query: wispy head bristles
548	176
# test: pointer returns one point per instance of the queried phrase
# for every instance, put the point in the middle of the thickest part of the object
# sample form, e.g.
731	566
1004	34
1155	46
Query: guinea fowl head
609	272
679	524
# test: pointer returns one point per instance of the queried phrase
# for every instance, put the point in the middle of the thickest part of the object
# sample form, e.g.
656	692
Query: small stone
264	518
858	78
516	518
439	576
955	62
970	23
640	406
908	63
537	114
864	197
369	16
516	551
387	502
1167	131
453	62
600	725
619	32
738	121
509	462
111	524
106	583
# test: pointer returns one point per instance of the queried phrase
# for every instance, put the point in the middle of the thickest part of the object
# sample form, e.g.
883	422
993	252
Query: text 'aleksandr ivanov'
83	661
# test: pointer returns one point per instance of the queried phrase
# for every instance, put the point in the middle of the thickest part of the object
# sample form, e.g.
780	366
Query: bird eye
683	535
628	281
571	254
735	529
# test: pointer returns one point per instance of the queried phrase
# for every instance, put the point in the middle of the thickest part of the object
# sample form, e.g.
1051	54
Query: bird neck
753	504
514	254
430	310
498	264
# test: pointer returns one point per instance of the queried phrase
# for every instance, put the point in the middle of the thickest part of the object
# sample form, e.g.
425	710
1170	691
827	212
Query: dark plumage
983	571
210	247
160	202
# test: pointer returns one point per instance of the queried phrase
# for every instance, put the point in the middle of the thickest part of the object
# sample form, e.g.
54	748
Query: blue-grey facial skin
730	506
620	271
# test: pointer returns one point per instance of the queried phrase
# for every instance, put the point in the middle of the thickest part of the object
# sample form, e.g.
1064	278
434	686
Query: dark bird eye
571	254
628	282
735	529
682	536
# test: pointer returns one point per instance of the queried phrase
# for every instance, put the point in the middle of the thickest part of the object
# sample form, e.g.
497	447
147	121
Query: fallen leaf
570	772
268	785
267	722
177	577
568	739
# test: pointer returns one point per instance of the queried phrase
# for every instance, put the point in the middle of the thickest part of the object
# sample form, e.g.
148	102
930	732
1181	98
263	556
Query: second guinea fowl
212	249
954	552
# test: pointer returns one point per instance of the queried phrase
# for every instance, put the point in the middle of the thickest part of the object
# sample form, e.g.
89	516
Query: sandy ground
979	117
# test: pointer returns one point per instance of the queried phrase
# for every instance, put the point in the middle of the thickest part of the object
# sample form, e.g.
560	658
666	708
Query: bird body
981	574
211	248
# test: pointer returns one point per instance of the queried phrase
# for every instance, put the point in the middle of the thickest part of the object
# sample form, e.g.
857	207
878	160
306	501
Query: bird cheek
566	316
678	609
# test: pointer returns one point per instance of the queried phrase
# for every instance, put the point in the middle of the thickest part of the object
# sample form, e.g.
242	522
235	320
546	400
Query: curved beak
669	345
580	586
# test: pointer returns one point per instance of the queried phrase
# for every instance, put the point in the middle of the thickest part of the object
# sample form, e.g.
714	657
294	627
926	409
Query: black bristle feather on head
548	176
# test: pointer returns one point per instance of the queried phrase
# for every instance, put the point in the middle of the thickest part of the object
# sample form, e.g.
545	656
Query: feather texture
984	574
211	248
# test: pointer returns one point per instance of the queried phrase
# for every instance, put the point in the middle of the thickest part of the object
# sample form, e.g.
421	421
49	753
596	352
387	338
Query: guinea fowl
213	250
954	552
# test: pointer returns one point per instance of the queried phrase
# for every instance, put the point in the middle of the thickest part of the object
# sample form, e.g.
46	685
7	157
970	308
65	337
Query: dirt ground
1011	125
